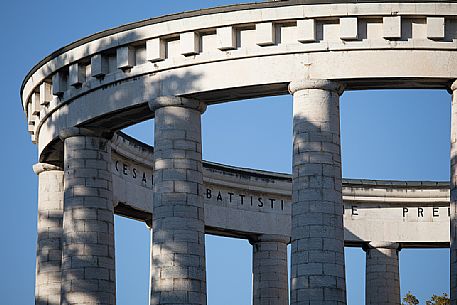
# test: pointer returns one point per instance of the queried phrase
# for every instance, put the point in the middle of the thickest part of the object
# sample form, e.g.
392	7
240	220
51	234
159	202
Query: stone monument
169	68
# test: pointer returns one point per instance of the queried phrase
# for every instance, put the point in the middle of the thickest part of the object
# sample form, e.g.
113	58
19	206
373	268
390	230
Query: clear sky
385	135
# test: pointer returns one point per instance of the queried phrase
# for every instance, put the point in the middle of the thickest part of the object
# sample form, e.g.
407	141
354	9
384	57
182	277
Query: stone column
151	279
269	269
49	244
382	274
317	262
453	201
178	263
88	269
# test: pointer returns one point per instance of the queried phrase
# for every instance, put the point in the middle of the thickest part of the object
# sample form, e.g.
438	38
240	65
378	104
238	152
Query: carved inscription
134	173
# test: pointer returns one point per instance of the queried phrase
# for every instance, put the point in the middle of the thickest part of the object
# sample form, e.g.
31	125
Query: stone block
186	187
96	273
172	272
306	30
194	176
95	250
125	57
311	294
156	49
322	281
436	28
196	298
35	103
187	211
333	269
106	286
96	164
226	38
84	191
164	164
59	83
349	28
98	183
171	134
169	154
265	34
73	239
154	298
196	273
185	164
392	27
95	226
76	75
193	155
333	295
320	136
310	269
189	43
99	66
185	145
106	262
84	261
173	297
194	248
164	284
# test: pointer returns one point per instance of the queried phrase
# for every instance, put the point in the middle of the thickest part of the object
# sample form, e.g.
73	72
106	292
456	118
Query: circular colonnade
171	68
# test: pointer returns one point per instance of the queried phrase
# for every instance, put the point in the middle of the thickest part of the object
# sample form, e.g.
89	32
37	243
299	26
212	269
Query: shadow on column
382	274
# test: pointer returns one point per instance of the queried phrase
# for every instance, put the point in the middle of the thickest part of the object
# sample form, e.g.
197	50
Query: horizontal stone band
89	132
176	101
271	238
384	245
44	167
320	84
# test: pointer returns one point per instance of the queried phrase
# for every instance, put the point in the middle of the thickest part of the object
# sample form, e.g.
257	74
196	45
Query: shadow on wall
49	258
127	104
319	185
116	104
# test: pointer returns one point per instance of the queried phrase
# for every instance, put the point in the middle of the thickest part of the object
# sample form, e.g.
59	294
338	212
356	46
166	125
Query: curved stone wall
247	203
366	45
172	68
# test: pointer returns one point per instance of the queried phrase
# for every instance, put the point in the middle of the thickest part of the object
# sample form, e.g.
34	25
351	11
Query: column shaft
178	251
382	276
151	270
317	275
88	269
269	269
453	201
49	244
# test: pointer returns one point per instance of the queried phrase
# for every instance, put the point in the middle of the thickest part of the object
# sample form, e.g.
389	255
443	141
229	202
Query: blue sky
402	134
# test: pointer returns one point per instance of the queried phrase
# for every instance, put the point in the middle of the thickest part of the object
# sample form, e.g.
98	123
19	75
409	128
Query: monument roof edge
199	12
396	183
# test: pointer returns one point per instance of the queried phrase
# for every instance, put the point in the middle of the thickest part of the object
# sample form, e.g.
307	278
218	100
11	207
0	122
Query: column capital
271	238
90	132
176	101
383	245
44	167
321	84
454	86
